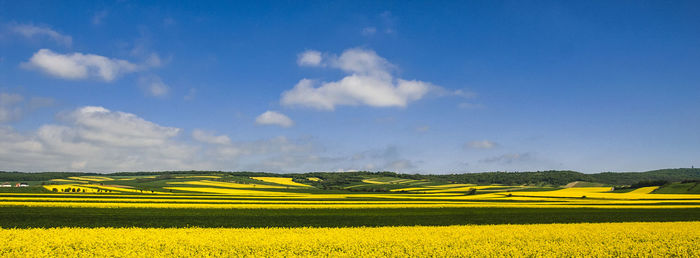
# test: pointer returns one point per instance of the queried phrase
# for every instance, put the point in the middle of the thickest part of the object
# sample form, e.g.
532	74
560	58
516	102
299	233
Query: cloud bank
93	138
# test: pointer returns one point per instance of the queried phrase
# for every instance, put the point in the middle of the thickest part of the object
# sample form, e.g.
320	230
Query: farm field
591	240
224	215
226	192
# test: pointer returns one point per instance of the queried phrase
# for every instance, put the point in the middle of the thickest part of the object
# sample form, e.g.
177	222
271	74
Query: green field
32	217
680	188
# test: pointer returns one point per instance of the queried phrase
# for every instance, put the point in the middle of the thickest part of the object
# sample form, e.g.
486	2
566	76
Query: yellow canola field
603	193
279	180
439	188
644	190
232	191
228	184
450	185
68	181
91	178
197	177
462	189
395	181
660	239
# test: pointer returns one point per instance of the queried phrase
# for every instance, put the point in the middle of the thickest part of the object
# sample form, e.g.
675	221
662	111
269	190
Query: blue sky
415	87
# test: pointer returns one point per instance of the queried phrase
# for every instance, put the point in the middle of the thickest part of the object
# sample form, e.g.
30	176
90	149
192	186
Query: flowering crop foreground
602	239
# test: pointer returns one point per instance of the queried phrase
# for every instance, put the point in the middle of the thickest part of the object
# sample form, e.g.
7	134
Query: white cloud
309	58
153	86
363	62
483	144
79	66
209	137
31	31
369	82
274	118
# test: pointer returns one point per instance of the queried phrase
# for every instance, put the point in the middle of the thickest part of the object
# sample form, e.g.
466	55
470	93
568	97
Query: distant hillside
626	178
38	176
485	178
564	177
516	178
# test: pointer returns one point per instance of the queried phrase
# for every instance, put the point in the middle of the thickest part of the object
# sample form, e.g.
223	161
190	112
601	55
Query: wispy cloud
152	85
32	31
